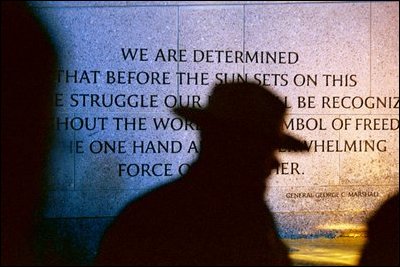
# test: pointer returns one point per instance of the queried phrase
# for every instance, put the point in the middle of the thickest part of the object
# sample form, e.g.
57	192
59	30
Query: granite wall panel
338	72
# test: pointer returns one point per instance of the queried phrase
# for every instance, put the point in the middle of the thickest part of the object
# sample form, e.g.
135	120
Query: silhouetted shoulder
146	226
382	247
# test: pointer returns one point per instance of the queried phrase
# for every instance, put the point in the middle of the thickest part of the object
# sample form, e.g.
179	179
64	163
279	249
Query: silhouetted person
216	214
382	247
28	63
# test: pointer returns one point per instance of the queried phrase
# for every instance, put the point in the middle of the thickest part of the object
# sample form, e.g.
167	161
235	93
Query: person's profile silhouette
28	67
216	213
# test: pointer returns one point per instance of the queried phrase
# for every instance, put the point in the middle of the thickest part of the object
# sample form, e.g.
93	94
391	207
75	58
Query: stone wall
336	65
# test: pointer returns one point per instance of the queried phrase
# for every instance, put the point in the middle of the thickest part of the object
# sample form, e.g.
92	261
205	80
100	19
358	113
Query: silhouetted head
242	127
28	68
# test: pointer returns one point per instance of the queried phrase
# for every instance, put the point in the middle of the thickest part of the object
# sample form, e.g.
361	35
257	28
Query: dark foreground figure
216	214
28	68
382	248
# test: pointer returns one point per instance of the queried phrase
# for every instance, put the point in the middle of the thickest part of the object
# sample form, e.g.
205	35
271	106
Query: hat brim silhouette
203	117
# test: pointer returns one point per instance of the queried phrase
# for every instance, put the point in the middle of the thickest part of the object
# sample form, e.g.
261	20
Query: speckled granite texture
338	69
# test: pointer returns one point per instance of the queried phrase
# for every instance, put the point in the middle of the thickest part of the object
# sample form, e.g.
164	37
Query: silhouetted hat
244	107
